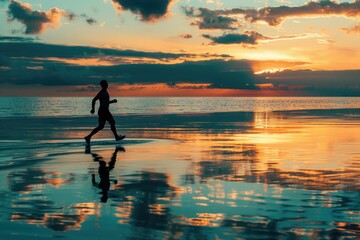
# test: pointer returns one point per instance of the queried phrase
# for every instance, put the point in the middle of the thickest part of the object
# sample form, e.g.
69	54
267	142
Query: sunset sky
180	47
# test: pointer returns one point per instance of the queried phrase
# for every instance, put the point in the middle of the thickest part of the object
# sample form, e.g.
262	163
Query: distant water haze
80	106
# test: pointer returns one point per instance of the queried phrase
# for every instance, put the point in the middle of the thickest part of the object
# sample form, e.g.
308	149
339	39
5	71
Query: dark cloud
234	74
32	64
330	83
216	73
247	38
208	19
17	39
35	22
46	64
148	10
91	21
71	16
186	36
88	88
42	50
275	15
35	64
88	19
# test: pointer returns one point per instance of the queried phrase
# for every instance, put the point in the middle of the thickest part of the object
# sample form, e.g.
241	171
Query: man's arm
113	101
93	103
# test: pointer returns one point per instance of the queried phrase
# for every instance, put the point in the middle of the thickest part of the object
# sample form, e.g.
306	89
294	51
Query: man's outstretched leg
117	137
93	132
113	128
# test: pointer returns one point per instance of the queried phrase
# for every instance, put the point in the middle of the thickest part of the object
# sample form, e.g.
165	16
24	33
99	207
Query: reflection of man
104	173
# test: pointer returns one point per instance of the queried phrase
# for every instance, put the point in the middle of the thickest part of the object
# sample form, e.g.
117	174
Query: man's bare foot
120	149
120	137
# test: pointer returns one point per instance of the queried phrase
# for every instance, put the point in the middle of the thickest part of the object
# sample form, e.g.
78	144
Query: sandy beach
231	175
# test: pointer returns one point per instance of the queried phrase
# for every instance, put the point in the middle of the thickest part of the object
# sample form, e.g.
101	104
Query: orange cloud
35	22
354	29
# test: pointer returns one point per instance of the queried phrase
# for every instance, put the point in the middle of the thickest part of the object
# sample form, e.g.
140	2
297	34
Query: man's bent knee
112	123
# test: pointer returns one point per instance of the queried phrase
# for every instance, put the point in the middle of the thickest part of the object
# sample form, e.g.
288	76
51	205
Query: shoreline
51	128
310	110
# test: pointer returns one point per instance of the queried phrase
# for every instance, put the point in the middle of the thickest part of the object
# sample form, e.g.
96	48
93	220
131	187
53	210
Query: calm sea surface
80	106
238	170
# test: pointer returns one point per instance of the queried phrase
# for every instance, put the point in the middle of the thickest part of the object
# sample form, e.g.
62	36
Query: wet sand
246	175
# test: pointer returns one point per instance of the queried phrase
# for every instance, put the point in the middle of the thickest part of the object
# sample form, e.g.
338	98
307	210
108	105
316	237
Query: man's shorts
105	115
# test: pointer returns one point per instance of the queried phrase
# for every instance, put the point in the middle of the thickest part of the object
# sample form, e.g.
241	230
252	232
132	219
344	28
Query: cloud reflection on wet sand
240	175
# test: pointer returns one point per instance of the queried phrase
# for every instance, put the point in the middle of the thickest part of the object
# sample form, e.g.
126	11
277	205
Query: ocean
80	106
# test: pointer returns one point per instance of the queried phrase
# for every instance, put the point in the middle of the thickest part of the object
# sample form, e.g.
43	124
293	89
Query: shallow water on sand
279	175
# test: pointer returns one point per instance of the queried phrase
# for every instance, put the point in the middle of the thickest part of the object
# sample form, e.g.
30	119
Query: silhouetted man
104	113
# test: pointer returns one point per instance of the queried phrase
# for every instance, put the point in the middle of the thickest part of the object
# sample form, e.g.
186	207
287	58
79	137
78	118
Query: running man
104	113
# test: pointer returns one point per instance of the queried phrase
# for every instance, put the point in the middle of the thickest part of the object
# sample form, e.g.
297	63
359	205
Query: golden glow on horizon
271	70
268	56
119	60
109	61
142	90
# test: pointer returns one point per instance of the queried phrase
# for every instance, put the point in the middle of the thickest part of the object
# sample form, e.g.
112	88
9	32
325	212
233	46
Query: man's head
104	84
